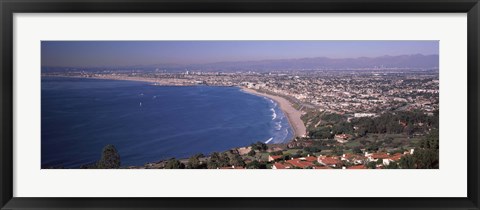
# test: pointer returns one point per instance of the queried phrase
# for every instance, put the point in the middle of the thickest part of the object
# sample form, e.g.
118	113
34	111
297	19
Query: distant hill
401	61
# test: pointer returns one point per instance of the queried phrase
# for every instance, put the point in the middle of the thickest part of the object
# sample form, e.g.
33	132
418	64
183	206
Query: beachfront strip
341	119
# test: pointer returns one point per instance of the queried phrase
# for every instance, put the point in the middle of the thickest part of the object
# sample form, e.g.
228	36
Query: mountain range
413	61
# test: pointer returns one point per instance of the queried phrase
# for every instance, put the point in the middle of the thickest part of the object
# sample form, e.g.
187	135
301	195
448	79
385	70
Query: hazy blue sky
125	53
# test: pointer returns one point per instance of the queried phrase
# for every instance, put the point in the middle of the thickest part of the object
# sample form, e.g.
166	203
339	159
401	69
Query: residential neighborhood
345	161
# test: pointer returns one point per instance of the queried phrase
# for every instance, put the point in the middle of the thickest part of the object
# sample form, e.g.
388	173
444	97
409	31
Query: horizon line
218	62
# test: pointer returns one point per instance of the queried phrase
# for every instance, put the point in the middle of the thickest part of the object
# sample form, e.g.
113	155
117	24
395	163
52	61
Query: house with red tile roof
375	156
278	166
281	166
353	158
300	163
272	158
329	161
309	158
321	167
394	158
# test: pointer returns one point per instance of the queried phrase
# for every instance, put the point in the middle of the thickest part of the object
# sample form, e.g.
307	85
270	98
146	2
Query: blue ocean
148	123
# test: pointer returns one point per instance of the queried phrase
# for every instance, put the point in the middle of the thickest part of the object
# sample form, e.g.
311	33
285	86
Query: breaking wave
274	114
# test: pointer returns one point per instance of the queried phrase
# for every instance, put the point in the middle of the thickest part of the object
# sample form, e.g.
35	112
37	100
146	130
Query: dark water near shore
148	123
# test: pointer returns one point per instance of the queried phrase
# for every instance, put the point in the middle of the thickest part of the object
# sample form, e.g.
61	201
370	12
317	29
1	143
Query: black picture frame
9	7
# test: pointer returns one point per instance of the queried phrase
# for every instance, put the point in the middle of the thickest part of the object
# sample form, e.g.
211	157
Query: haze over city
135	53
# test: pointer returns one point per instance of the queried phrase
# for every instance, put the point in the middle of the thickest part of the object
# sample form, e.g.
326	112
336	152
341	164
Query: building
357	115
329	161
342	138
272	158
321	167
394	158
353	158
280	166
300	163
357	167
376	156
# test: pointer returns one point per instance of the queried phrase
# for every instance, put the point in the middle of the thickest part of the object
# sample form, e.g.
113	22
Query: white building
364	115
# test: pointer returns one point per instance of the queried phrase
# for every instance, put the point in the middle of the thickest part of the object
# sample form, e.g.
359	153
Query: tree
194	162
338	151
109	159
390	122
407	162
256	165
333	118
372	165
427	153
260	146
236	160
391	165
174	164
394	127
361	132
379	161
343	127
252	153
214	161
430	141
224	160
287	156
280	152
373	147
213	165
426	158
312	149
409	130
357	150
321	133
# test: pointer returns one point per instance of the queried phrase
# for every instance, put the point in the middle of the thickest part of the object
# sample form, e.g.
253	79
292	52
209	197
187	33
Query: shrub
110	158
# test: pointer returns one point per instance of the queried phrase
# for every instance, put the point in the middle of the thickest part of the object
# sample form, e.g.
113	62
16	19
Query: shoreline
292	114
152	81
120	78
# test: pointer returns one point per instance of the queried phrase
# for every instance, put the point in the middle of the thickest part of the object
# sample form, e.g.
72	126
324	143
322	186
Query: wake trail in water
269	140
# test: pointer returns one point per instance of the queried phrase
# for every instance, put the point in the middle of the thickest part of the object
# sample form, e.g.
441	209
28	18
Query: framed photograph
239	105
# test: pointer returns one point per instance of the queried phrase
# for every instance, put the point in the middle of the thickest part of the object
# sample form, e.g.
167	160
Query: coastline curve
292	114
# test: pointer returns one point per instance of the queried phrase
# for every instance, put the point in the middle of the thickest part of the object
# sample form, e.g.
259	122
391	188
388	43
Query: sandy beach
293	115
